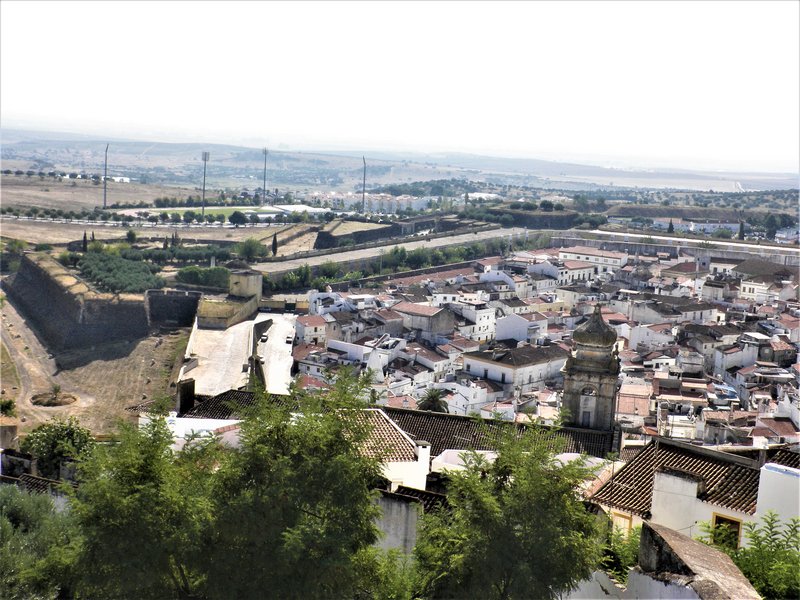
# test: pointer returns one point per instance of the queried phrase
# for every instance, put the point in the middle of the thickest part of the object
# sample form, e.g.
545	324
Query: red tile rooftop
411	308
574	265
311	320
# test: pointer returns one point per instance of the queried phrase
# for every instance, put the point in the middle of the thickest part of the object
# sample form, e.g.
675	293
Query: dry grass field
51	232
76	194
105	378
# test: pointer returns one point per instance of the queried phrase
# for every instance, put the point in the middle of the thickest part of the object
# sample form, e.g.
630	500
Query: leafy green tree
37	547
546	205
722	233
622	552
254	220
85	243
670	227
418	258
294	510
771	558
580	204
741	230
328	269
55	441
143	509
237	218
434	401
516	528
250	248
130	236
274	244
771	224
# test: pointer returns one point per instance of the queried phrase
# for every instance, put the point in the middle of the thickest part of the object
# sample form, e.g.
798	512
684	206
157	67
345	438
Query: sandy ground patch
105	379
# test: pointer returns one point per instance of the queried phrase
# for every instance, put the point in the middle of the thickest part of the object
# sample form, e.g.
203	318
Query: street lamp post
206	156
264	184
105	178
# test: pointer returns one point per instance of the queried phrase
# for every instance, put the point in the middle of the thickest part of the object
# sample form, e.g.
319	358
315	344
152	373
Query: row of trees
290	512
113	273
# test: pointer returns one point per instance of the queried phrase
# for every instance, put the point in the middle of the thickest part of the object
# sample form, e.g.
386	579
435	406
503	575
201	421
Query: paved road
277	353
220	355
367	253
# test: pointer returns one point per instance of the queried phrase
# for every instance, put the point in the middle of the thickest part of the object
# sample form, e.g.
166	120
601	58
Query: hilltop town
654	333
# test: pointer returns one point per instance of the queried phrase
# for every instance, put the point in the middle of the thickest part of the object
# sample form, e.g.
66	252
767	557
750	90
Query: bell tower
590	376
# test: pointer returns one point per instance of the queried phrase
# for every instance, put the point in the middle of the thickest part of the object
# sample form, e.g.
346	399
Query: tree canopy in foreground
516	529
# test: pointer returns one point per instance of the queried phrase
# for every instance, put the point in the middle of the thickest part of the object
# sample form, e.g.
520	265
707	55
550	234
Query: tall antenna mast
206	156
105	178
364	187
264	184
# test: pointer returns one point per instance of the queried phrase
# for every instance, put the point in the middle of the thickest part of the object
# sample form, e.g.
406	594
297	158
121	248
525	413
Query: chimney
423	452
186	398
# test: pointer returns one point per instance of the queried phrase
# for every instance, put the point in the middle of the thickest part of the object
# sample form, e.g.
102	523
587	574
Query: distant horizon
703	85
616	163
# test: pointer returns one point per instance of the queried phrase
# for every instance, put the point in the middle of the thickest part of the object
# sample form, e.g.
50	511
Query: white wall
779	491
675	505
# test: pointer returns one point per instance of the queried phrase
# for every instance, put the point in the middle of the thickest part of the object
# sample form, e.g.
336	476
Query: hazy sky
707	85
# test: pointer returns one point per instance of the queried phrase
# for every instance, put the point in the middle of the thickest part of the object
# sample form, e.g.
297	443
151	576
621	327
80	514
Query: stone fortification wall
67	312
335	231
172	307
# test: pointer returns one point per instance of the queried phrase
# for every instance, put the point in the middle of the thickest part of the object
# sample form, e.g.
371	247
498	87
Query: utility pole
264	184
364	187
206	156
105	178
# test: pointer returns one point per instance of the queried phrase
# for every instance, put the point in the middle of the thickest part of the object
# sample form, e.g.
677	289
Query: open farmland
54	232
76	194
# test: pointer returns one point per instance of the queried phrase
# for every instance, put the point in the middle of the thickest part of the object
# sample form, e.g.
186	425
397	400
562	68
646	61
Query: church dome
595	331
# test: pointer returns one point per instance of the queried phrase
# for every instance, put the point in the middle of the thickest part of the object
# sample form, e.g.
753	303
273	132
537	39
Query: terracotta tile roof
780	345
785	457
37	485
387	314
629	452
411	308
302	351
227	405
572	265
311	321
781	426
401	402
386	440
309	382
454	432
430	500
730	481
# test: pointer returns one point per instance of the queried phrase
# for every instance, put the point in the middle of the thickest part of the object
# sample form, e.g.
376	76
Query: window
502	377
468	366
586	419
734	526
